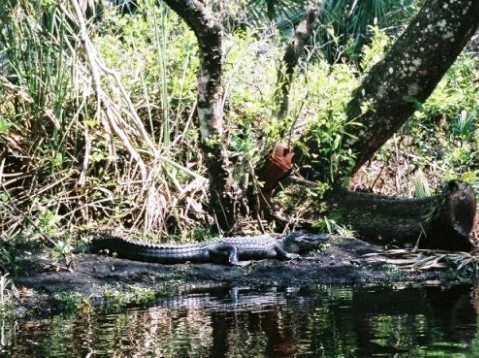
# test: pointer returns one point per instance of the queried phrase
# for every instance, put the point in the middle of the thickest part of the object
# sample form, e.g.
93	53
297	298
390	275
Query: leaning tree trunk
410	71
384	101
210	107
443	221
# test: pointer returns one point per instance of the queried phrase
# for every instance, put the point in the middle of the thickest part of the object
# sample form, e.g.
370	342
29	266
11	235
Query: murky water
288	322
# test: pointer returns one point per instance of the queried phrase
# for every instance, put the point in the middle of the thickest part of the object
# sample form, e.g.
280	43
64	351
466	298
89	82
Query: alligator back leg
233	258
230	251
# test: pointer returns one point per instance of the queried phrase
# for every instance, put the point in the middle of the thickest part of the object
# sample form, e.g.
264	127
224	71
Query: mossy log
443	221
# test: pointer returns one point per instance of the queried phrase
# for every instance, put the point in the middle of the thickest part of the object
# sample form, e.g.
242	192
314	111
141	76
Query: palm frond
283	13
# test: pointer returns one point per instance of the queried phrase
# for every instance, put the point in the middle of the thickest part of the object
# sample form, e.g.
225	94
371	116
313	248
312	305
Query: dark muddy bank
341	262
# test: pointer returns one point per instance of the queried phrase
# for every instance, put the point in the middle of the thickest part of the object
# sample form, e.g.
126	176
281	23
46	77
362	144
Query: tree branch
293	52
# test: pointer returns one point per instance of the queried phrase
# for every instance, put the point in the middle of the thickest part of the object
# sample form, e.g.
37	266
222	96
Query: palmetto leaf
283	13
342	21
351	19
421	185
275	10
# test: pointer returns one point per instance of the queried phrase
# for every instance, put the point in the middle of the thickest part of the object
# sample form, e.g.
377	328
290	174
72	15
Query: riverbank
39	281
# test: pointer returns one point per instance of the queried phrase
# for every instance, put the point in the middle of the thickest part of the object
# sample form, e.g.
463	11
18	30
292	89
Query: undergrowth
98	125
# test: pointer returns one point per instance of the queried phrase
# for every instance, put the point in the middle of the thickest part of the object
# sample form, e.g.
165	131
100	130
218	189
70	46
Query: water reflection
308	322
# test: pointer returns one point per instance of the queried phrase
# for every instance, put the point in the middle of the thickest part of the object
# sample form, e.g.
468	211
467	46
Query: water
278	322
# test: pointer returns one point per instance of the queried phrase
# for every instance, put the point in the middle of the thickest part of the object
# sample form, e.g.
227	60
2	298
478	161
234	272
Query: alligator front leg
282	254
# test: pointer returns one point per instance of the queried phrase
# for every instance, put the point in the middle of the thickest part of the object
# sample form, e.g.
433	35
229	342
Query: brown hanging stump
278	165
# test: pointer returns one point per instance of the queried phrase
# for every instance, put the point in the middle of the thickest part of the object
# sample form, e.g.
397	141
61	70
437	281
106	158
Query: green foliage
331	223
374	50
4	124
464	125
283	12
445	129
110	139
71	301
5	293
34	113
456	92
116	299
66	148
346	24
250	99
150	49
421	185
328	89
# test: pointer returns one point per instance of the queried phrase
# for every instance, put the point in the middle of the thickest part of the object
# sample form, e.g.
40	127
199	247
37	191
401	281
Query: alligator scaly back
232	250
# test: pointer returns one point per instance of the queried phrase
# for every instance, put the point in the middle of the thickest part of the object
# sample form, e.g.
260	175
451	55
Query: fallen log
443	221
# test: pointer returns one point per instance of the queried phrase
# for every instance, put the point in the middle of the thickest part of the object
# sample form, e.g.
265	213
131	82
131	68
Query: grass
5	292
109	298
92	156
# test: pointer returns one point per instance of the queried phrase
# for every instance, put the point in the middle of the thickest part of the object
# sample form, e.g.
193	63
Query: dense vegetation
98	128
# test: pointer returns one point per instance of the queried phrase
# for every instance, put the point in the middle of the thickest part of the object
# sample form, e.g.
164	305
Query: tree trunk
210	108
411	69
443	221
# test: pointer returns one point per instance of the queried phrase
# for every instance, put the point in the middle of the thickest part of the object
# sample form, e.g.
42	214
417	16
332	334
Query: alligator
233	250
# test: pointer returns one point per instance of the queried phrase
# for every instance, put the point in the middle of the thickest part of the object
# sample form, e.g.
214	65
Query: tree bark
411	69
443	221
210	108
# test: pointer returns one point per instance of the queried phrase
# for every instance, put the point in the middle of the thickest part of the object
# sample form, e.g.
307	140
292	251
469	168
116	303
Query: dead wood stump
443	221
